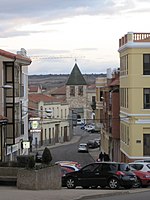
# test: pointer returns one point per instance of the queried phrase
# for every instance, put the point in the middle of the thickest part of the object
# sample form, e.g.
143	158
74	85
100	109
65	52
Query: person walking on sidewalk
101	156
106	157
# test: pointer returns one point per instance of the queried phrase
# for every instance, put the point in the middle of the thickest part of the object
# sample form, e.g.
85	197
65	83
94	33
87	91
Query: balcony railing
134	37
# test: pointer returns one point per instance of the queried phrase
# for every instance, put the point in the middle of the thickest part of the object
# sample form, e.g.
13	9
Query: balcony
134	37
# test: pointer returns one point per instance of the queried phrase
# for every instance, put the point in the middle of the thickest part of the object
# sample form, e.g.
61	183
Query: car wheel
113	183
70	183
138	183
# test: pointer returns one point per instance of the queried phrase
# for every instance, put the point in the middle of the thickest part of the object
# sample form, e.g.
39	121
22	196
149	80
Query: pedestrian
106	157
101	156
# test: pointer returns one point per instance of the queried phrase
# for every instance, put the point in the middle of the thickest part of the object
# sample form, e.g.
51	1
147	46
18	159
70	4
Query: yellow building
134	49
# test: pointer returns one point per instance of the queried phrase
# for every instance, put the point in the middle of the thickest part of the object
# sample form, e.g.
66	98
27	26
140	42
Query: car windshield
83	145
124	167
137	166
148	166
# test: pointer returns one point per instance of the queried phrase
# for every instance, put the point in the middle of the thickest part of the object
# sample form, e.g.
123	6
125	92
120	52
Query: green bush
31	162
23	160
46	156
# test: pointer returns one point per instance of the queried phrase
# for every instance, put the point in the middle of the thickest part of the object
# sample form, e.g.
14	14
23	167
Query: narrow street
70	151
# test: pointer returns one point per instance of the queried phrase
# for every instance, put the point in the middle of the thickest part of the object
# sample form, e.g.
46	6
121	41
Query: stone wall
42	179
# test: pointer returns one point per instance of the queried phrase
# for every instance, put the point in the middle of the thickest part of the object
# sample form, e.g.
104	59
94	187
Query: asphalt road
126	196
70	151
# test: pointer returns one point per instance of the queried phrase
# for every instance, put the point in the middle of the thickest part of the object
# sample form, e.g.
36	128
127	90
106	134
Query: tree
46	156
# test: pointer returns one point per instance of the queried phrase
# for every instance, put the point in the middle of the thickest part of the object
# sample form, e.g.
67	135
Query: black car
111	174
38	157
92	144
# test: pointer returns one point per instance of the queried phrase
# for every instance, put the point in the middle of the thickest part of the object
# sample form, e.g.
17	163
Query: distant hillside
57	80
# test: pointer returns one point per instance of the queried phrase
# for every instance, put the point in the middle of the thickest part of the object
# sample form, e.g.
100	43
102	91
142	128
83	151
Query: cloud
56	32
16	14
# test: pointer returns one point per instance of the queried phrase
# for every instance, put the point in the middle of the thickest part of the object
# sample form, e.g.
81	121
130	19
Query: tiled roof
42	97
14	56
59	91
115	82
76	78
92	86
33	88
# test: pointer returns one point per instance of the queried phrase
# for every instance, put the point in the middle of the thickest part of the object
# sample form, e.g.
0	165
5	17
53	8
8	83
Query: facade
91	103
107	113
49	123
14	103
134	50
100	84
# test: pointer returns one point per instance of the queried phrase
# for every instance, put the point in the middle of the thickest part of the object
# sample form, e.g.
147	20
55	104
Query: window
146	147
80	90
124	97
90	168
72	91
124	65
101	95
146	98
146	64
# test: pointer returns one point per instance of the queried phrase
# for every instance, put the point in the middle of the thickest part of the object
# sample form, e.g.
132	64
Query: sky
58	33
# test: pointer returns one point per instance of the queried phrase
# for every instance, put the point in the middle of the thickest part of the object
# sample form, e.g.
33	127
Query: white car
146	160
141	166
83	147
89	128
80	122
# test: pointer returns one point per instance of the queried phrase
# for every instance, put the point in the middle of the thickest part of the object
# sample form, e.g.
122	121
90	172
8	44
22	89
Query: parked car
92	144
80	122
65	170
98	141
72	167
83	126
72	163
89	128
143	178
146	160
111	174
142	166
83	147
38	156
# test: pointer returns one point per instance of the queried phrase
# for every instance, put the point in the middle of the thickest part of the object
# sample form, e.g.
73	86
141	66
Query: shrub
46	156
31	162
23	160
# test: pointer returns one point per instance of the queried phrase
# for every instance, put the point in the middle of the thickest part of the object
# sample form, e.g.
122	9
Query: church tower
76	96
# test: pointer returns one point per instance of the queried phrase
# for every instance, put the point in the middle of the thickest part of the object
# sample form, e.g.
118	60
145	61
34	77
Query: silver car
83	147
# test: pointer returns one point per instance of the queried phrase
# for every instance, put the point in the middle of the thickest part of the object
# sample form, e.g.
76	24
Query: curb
86	197
115	193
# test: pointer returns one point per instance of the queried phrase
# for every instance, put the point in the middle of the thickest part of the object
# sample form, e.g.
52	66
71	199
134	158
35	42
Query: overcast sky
56	32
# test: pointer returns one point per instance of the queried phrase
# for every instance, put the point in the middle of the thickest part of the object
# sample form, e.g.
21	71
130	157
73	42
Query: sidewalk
9	193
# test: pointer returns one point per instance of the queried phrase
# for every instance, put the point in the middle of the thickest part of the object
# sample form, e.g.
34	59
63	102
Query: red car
65	170
143	178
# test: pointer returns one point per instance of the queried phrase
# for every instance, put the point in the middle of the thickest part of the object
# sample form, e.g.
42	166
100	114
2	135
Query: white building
51	115
14	103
